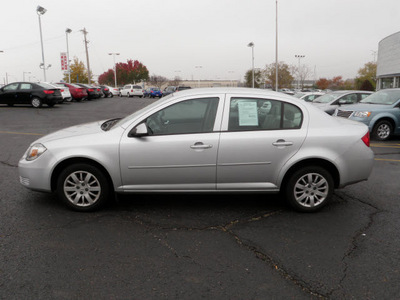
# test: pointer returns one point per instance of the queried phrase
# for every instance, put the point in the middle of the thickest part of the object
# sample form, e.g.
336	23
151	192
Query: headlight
35	151
362	114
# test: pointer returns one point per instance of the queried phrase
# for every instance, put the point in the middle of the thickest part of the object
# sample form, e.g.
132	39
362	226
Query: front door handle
200	145
280	143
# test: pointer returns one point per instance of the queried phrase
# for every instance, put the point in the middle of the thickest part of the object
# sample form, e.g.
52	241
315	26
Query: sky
195	40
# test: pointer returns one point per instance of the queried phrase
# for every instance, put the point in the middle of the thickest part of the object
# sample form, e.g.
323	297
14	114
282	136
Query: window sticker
248	113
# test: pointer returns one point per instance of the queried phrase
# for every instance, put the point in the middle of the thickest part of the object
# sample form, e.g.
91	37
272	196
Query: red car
78	93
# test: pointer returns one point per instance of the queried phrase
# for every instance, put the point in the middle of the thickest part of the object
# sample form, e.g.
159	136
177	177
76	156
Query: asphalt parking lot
191	247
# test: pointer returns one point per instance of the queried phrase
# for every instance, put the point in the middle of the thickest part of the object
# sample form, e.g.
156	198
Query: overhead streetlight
115	68
251	45
299	57
67	31
41	11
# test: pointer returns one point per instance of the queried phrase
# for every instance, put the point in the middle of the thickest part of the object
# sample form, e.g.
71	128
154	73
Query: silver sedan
204	140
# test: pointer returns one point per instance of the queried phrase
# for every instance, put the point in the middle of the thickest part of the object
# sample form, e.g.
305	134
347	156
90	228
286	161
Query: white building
388	64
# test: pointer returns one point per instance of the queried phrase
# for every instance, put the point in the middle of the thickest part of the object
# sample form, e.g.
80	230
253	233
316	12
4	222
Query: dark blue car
152	92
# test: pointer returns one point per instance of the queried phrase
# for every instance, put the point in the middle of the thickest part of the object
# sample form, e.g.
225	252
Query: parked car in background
308	96
114	91
330	101
130	90
172	89
109	91
287	91
379	111
152	92
78	93
203	140
35	94
65	93
92	91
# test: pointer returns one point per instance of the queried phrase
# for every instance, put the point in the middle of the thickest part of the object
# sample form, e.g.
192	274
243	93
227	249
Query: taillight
90	90
366	139
131	91
106	89
48	92
61	91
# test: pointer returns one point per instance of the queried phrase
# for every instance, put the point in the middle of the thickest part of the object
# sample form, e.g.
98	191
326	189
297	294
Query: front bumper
36	174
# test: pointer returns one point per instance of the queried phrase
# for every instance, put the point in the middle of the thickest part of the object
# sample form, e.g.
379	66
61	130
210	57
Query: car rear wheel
36	102
83	187
309	189
382	130
128	95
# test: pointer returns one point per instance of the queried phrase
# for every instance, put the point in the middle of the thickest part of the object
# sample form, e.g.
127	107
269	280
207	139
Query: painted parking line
396	146
387	159
23	133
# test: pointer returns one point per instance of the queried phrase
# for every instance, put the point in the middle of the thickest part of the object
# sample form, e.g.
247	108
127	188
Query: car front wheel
309	189
36	102
83	187
382	130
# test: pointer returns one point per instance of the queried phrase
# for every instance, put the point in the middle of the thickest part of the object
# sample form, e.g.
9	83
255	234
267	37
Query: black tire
83	187
309	189
10	104
128	95
36	102
382	130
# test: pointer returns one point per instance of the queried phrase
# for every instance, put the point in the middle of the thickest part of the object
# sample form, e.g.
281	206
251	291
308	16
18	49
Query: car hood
365	107
78	130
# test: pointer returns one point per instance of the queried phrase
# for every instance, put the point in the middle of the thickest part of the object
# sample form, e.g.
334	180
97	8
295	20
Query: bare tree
157	80
176	81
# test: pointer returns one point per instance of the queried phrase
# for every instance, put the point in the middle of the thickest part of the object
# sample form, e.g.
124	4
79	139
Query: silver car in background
204	140
333	100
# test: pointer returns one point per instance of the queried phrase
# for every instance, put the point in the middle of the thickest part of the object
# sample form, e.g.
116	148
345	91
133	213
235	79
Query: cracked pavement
191	246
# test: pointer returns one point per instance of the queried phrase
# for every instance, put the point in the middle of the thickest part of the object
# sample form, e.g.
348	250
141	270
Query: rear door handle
280	143
200	145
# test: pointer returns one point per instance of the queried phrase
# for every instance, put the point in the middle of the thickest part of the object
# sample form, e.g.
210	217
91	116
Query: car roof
235	90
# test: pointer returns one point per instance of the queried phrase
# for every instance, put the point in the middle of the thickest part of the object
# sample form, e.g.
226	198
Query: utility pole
87	53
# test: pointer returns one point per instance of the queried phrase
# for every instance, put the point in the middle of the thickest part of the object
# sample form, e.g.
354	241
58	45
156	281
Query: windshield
327	98
385	97
137	113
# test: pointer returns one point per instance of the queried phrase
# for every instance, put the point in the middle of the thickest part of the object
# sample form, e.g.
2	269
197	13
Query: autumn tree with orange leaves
129	72
336	83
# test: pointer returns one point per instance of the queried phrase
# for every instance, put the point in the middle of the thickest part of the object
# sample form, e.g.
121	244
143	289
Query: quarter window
25	86
263	114
190	116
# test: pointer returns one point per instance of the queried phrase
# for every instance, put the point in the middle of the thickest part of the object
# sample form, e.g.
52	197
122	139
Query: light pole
251	44
68	70
276	48
299	57
198	82
115	68
41	11
23	75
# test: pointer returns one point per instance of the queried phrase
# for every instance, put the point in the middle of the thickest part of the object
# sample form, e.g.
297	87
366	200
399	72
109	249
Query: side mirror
139	131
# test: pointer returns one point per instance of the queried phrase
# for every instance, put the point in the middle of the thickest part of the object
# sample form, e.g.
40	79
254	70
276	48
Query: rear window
137	87
45	85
